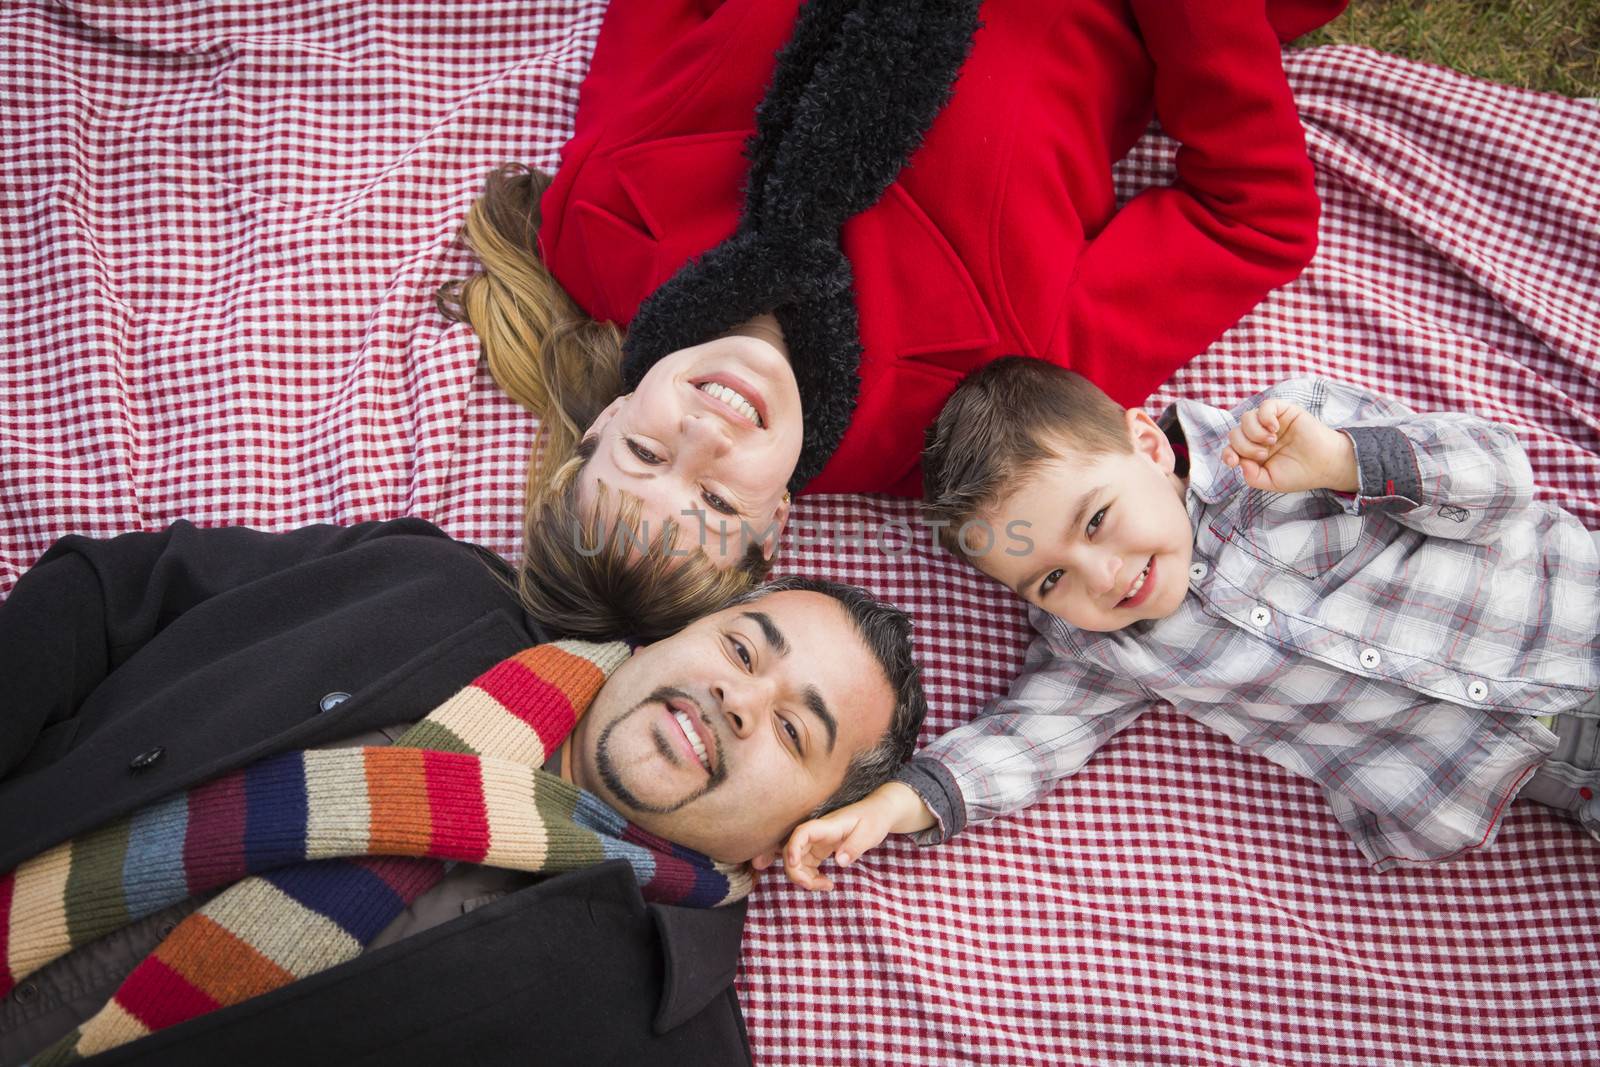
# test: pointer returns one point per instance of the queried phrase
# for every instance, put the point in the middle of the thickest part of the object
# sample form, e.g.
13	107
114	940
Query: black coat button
146	759
332	700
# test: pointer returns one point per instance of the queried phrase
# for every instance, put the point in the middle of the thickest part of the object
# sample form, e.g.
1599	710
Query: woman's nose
702	434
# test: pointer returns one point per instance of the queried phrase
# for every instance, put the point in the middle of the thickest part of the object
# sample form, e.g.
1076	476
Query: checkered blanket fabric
222	227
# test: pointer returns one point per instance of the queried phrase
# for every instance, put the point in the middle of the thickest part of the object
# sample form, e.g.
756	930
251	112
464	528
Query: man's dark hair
1001	424
887	633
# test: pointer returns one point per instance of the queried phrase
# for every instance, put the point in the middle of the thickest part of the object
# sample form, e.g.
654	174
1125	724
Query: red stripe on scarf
455	802
674	879
537	701
159	996
407	877
213	844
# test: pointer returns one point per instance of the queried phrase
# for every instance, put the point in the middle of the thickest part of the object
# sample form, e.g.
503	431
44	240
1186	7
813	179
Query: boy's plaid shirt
1395	647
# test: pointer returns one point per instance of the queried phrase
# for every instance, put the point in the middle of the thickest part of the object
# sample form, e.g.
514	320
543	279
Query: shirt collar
1205	429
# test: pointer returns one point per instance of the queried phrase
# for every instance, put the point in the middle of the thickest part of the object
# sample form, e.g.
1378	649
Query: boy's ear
1149	440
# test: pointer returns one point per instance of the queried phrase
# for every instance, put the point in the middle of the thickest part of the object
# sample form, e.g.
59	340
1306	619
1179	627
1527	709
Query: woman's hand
1282	448
851	832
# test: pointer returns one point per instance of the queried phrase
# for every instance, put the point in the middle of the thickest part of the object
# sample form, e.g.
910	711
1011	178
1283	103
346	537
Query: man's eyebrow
769	630
811	696
819	708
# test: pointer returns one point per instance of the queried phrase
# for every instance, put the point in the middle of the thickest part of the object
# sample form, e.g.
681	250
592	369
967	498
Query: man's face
726	735
1111	538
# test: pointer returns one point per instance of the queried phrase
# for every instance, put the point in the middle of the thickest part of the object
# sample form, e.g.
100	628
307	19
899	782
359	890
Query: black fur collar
854	92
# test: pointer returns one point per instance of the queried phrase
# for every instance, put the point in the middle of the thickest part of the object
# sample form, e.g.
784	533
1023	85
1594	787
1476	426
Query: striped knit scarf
463	784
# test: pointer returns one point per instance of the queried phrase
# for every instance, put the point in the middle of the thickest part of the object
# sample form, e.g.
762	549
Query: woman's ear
1150	440
774	531
605	416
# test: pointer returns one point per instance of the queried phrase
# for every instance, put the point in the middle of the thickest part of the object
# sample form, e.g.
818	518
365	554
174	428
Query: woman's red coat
1002	235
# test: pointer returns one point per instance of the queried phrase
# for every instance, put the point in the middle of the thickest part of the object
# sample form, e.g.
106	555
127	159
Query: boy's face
1111	537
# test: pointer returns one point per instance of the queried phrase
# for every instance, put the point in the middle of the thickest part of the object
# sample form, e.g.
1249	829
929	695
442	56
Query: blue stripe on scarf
349	894
152	872
710	886
275	812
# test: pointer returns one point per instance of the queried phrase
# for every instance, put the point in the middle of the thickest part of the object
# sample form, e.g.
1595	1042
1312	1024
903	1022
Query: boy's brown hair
1003	421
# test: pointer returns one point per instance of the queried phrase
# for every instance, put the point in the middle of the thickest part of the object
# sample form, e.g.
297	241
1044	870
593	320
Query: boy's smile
1111	538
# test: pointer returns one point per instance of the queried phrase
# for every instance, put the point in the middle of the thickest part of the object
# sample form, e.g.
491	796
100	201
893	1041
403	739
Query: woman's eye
794	735
643	453
742	652
718	504
1050	581
1097	518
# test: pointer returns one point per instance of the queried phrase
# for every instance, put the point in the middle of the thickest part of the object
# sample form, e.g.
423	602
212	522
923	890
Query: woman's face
708	439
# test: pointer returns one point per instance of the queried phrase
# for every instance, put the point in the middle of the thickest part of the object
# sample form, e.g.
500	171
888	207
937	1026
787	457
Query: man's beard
613	780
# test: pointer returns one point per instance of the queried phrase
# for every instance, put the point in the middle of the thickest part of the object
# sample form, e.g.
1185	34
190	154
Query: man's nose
704	437
742	701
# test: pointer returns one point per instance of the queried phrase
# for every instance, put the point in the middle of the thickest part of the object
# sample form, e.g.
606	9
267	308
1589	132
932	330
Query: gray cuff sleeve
933	782
1390	480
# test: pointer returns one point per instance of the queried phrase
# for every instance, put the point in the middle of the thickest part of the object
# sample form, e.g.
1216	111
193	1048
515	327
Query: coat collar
700	948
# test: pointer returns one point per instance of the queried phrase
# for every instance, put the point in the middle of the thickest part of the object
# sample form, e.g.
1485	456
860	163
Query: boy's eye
717	503
1097	518
794	735
742	652
644	454
1050	581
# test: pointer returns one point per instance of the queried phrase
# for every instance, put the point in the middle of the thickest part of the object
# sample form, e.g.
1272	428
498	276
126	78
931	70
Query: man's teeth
686	724
733	399
1138	583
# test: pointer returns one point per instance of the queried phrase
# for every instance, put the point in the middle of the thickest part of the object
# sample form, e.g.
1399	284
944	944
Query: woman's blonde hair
579	576
594	576
543	350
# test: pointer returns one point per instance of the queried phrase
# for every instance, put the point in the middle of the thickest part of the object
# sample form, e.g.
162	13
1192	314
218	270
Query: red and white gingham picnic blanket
222	226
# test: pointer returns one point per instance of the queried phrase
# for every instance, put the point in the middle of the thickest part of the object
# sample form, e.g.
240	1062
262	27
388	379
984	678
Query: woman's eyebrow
619	449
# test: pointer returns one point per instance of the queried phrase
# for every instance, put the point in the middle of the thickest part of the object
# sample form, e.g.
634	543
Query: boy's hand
852	831
1280	447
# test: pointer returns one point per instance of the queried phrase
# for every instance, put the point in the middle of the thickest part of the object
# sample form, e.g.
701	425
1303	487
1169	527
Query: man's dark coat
139	666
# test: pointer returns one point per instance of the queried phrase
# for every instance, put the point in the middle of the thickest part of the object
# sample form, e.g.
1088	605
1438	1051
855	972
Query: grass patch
1551	45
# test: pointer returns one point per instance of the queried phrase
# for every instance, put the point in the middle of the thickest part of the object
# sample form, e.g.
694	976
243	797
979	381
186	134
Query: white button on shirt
1477	690
1260	616
1369	658
1198	571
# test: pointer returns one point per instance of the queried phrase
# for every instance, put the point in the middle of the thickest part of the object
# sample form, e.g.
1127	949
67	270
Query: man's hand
852	831
1280	447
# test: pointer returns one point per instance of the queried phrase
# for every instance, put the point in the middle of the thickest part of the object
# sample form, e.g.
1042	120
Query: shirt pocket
1308	535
